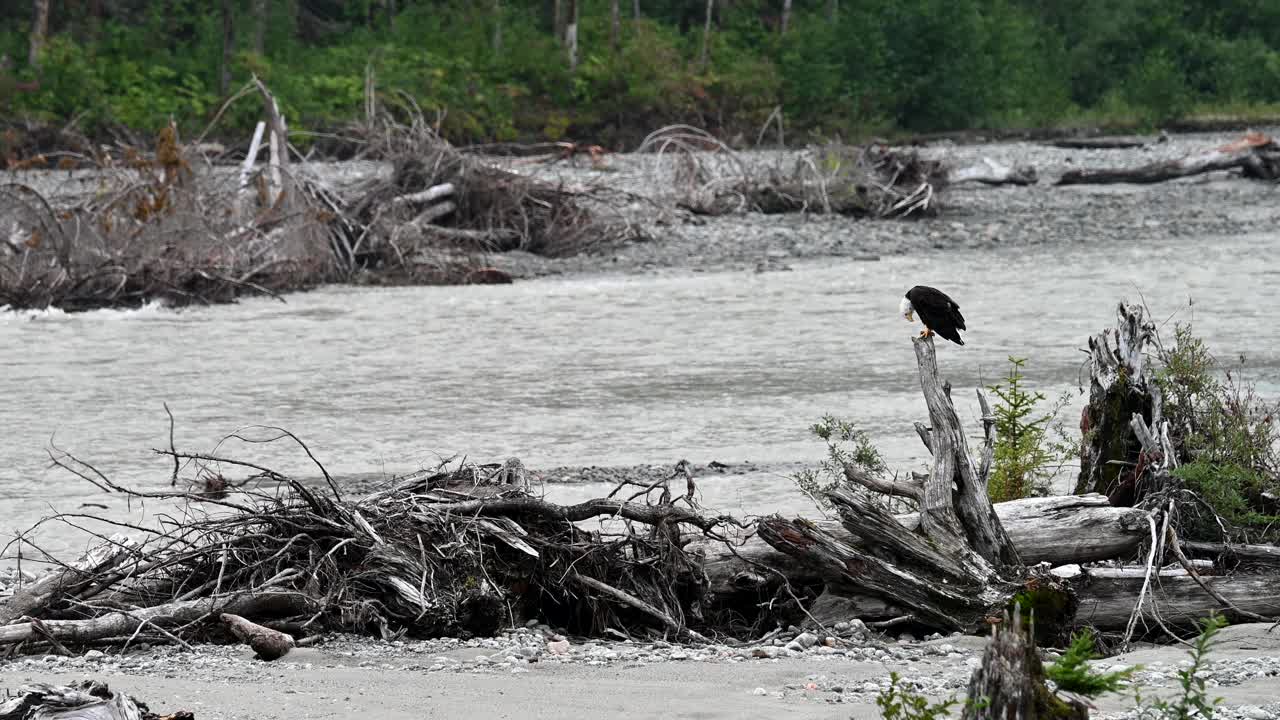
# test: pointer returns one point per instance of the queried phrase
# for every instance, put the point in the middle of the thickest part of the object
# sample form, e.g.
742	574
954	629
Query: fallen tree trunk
124	623
267	643
1059	530
1107	596
1251	554
1101	143
1255	154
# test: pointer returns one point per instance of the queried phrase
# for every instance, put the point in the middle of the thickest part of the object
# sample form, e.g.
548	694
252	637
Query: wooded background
610	71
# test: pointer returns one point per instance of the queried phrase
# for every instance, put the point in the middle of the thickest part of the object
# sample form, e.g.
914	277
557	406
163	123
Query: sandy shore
352	677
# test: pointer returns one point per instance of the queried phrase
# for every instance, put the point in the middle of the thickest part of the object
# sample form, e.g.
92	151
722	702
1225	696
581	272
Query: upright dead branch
957	570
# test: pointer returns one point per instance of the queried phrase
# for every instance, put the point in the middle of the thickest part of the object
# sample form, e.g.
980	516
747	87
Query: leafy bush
1159	87
1193	703
898	703
1224	435
1073	673
919	65
1025	457
846	446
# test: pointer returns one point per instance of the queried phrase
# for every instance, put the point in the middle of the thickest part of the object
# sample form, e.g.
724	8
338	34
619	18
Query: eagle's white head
905	308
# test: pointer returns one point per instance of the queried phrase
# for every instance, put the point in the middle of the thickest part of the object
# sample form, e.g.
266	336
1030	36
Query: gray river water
583	371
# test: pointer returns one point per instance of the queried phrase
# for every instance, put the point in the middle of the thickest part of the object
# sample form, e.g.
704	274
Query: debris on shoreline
88	699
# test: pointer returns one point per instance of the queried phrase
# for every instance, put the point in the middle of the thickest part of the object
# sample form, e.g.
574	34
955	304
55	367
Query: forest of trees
609	71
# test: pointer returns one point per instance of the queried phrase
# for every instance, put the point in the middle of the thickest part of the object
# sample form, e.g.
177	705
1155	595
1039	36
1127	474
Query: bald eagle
939	313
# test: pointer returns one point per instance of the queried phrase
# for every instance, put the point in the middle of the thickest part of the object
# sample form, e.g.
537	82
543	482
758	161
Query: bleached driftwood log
1059	530
1254	554
1107	596
958	569
267	643
431	194
1255	154
124	623
990	172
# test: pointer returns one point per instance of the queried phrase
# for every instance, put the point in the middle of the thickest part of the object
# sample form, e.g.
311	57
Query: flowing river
731	366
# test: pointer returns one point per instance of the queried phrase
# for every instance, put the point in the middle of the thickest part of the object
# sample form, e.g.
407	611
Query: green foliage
846	446
1073	673
878	65
899	703
1193	702
1223	433
1025	457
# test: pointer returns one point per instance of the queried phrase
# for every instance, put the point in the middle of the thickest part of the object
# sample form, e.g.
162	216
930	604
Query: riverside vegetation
522	70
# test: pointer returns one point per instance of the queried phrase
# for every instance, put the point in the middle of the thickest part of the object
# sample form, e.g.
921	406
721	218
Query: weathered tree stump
1111	453
960	569
1009	685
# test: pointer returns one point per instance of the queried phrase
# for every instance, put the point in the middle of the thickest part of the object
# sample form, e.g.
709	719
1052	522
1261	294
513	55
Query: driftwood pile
442	206
164	224
459	551
872	181
157	226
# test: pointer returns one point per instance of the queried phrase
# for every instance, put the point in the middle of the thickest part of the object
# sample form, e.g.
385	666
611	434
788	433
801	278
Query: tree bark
615	25
260	17
990	172
704	53
267	643
635	9
786	17
1107	596
228	46
123	624
54	585
497	27
39	31
1011	680
571	35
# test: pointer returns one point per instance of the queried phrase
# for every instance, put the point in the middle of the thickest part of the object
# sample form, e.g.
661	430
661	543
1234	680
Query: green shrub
1193	702
1223	434
1073	673
898	703
1025	457
846	446
1158	88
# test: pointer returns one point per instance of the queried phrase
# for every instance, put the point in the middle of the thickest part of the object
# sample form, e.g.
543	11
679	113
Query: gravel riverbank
535	672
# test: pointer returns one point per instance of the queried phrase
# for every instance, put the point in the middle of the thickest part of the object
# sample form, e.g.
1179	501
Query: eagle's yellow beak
909	318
